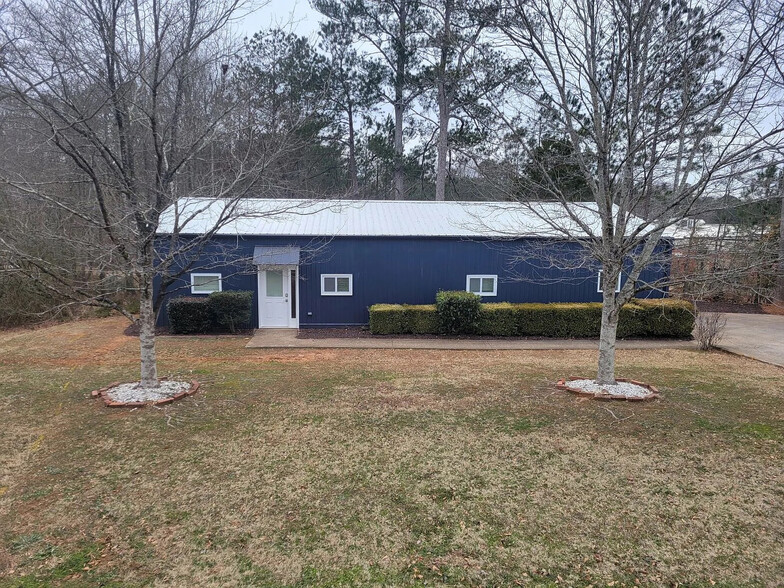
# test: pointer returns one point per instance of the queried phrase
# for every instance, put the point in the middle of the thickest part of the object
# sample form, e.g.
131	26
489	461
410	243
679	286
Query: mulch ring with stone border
641	391
104	394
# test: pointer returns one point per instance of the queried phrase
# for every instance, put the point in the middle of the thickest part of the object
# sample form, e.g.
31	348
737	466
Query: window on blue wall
483	285
599	283
337	284
206	283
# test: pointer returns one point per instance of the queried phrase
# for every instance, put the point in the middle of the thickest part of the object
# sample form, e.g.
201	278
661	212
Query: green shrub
403	319
641	318
631	323
230	309
666	317
387	319
421	319
498	319
563	320
188	315
458	312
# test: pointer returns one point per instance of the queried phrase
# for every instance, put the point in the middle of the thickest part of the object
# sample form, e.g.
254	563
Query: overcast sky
294	15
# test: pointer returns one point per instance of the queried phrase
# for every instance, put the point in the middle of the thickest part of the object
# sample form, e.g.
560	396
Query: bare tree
661	103
445	89
128	97
780	266
766	16
355	89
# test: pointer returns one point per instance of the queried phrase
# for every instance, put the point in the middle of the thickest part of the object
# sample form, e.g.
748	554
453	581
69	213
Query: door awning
276	255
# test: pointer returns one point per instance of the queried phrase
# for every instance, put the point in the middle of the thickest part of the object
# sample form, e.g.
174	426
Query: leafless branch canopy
657	109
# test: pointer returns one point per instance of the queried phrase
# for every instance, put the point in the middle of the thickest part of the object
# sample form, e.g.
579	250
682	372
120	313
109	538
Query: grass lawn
384	468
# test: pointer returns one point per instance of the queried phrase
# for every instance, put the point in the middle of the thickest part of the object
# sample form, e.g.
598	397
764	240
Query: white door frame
293	323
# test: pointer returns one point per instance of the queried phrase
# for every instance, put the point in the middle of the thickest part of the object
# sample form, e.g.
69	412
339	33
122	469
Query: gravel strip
135	393
620	389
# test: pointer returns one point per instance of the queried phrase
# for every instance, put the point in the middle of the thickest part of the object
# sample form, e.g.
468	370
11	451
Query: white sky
294	15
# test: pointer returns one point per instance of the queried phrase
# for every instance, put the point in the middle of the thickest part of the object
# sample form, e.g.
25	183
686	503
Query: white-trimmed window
483	285
599	283
337	284
689	223
206	283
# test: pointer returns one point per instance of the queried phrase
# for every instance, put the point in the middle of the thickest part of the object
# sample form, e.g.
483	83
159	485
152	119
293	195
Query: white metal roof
378	218
702	230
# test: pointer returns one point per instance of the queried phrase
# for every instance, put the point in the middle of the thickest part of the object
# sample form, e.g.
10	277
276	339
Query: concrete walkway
759	336
276	338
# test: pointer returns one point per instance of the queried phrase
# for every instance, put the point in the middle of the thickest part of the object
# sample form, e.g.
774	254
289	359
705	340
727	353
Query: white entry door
276	299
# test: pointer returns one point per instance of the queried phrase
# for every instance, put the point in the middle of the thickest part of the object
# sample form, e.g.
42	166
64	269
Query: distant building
721	261
690	229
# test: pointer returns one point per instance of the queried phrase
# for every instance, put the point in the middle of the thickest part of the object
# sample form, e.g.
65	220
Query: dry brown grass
384	467
775	308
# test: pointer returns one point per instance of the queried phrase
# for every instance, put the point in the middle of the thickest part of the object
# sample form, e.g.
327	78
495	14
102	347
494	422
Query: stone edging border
563	384
101	393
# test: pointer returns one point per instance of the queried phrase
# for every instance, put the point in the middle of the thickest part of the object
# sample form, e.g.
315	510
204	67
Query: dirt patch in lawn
132	330
773	309
384	467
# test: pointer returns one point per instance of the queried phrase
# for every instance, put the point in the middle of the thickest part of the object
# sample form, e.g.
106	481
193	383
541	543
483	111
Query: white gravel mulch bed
622	390
133	394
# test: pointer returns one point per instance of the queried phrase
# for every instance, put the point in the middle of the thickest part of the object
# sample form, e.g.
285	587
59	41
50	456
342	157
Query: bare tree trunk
780	276
352	155
443	105
149	371
609	328
607	336
443	146
398	188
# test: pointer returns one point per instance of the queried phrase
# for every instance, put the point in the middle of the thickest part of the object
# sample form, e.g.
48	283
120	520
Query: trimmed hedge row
663	318
405	319
220	311
641	318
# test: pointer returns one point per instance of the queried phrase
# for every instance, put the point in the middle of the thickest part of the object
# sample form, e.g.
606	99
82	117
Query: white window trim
336	276
599	283
481	276
207	275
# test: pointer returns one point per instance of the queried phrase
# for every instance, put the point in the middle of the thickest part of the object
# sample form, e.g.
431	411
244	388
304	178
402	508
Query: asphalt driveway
759	336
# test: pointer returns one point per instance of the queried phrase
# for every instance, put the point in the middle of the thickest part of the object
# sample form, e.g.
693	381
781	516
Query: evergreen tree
288	92
463	76
393	31
353	88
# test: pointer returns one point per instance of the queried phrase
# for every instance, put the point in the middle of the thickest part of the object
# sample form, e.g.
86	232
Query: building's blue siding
408	270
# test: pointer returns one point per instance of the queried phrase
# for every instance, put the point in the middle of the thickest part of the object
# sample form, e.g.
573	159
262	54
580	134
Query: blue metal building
318	264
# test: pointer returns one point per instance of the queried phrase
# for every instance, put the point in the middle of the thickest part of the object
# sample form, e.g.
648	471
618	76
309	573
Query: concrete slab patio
759	336
276	338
